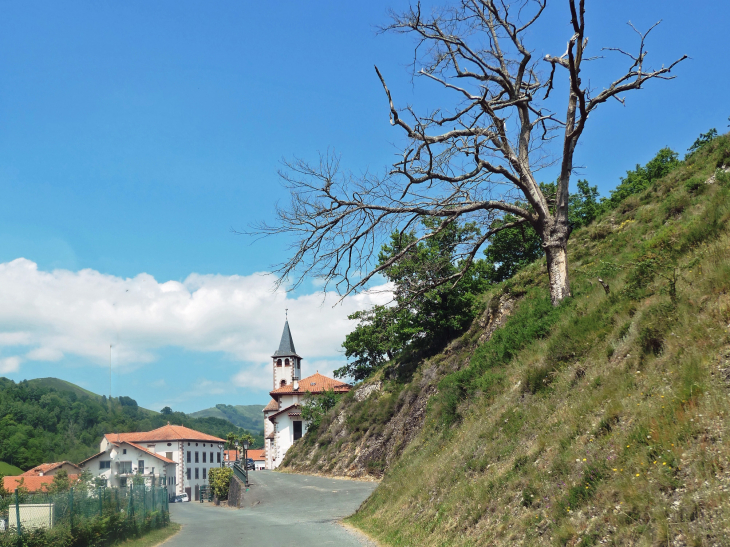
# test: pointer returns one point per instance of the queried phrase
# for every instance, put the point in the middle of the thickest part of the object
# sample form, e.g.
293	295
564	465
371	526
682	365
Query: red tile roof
143	449
273	405
316	383
290	408
257	455
33	483
232	455
164	433
44	468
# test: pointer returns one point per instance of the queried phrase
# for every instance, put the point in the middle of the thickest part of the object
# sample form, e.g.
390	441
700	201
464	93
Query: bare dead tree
476	161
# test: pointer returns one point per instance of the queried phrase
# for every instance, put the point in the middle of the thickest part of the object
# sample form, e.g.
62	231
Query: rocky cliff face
367	432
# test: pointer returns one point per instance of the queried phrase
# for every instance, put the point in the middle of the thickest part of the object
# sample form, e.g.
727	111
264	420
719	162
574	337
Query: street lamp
245	454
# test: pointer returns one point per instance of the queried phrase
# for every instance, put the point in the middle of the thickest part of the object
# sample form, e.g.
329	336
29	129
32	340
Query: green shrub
653	325
674	204
695	185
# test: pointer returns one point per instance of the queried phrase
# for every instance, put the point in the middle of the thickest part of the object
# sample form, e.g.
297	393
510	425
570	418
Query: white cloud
10	364
44	354
81	313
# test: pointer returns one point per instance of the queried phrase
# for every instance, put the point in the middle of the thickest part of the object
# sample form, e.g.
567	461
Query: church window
283	383
278	362
286	362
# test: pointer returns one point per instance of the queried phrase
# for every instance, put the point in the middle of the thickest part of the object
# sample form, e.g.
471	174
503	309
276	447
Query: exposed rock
370	453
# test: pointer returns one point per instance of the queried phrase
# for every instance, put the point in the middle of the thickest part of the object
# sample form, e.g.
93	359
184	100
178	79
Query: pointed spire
286	346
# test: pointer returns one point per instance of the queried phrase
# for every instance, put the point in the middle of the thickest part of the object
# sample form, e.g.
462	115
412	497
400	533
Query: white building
282	416
177	455
121	461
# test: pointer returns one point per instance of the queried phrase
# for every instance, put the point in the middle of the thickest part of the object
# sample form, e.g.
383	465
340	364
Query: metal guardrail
240	472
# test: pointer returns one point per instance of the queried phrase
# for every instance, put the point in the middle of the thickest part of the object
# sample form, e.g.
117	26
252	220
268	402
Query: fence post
17	513
153	499
101	501
71	507
144	501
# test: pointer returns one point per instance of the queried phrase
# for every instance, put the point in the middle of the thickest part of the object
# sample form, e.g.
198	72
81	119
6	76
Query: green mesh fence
139	505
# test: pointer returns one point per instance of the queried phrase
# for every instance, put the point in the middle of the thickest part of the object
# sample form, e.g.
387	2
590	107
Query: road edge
363	536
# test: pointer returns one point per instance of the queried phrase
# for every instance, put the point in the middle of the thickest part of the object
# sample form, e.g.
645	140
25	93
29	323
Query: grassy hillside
7	469
250	417
602	421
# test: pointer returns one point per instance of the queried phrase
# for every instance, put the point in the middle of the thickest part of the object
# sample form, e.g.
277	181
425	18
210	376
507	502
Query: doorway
297	430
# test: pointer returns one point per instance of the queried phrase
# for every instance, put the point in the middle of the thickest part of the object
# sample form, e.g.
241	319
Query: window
124	450
168	455
189	473
197	458
283	383
169	444
105	465
189	453
197	475
125	467
278	362
211	457
204	476
204	455
219	458
286	362
140	466
123	482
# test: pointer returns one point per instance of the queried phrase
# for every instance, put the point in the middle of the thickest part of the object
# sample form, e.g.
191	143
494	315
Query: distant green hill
7	469
62	385
48	419
248	417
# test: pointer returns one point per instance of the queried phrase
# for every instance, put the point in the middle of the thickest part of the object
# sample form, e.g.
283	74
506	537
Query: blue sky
134	136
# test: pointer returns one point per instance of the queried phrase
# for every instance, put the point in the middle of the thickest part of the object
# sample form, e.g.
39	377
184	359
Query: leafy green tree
166	411
702	140
315	406
641	178
60	483
418	320
583	206
511	250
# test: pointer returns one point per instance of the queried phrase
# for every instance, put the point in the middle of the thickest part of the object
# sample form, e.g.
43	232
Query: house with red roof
173	455
283	422
34	483
50	469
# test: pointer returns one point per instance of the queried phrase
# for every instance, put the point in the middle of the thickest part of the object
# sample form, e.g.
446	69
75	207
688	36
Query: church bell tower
287	364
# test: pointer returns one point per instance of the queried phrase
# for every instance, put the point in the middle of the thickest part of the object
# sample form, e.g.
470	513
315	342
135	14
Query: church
283	422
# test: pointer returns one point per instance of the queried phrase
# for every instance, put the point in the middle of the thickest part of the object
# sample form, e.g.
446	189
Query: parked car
250	464
181	499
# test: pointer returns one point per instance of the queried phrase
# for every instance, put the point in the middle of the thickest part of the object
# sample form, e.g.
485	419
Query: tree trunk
557	265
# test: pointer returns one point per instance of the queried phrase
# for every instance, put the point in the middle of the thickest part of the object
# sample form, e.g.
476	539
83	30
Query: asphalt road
288	510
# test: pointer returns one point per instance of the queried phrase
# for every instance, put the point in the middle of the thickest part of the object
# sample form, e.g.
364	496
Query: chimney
296	385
